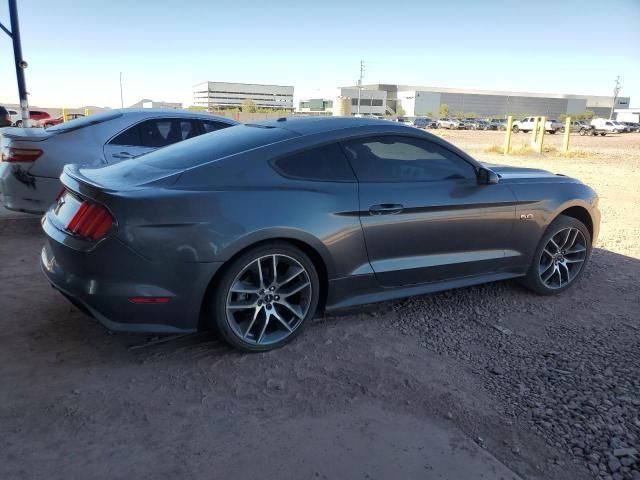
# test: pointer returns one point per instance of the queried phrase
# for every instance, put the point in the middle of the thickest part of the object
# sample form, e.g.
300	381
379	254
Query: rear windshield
213	146
82	122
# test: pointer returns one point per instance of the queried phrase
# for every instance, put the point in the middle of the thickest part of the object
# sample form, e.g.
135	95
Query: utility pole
360	84
616	91
121	98
20	63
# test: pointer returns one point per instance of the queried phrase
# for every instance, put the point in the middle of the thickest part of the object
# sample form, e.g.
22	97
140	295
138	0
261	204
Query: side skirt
363	289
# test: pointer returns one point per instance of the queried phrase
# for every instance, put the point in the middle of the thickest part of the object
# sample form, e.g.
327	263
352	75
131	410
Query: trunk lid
120	177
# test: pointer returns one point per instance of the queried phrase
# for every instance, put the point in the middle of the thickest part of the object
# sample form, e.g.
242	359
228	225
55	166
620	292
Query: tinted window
405	159
211	126
131	137
160	132
326	163
216	145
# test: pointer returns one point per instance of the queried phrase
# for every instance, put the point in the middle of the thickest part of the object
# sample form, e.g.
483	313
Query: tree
400	112
249	106
196	108
444	110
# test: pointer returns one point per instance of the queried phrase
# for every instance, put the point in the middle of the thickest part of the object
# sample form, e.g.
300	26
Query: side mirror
487	177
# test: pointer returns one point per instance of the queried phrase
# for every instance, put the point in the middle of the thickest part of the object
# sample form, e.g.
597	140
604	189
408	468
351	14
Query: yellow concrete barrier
543	126
86	112
64	115
567	132
534	134
507	137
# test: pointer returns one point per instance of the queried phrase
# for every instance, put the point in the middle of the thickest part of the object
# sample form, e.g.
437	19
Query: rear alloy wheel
561	256
265	297
516	129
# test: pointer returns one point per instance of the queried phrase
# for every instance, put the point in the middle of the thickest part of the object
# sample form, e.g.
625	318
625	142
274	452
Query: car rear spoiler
26	134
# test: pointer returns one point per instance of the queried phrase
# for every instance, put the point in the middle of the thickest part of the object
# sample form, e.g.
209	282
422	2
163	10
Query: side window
211	126
130	137
160	132
327	164
405	159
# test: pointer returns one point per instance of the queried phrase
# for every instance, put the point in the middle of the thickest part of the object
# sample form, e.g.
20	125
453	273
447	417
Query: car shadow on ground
611	281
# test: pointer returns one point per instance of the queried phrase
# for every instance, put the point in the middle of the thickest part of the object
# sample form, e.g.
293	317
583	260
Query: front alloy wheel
267	296
561	256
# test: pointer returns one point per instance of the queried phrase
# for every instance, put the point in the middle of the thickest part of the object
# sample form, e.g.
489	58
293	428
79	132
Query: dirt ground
548	386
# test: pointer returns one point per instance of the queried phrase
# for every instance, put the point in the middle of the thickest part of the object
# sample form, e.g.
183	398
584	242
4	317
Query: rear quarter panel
215	211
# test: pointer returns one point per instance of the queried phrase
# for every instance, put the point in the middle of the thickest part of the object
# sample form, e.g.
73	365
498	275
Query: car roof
314	125
169	111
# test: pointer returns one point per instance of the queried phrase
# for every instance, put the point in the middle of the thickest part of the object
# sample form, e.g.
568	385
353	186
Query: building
317	106
630	114
221	95
147	103
372	101
423	101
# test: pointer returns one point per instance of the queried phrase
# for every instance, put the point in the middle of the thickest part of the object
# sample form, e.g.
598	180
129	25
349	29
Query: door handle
123	155
385	209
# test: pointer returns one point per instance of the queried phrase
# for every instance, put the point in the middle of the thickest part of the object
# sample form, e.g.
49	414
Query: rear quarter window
324	164
213	146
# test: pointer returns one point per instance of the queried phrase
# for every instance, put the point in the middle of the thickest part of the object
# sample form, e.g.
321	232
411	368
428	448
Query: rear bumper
101	281
23	192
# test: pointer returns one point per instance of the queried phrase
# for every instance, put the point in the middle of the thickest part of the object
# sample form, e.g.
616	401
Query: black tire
19	123
553	132
533	279
602	134
561	130
222	293
583	132
516	129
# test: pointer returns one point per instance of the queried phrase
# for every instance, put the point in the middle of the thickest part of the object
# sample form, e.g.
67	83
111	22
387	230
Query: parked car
498	124
449	123
252	229
527	124
36	116
422	122
32	158
628	126
602	126
50	122
482	125
579	126
15	116
5	117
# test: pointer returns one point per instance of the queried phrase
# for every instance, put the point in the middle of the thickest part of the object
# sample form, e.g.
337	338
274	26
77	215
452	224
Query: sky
76	49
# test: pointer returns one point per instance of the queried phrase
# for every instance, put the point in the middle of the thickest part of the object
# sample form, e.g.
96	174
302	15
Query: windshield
82	122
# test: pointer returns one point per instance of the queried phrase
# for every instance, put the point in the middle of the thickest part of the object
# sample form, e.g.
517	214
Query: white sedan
32	158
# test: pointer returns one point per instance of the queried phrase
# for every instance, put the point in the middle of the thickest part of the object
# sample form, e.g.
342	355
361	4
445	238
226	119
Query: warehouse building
426	101
221	95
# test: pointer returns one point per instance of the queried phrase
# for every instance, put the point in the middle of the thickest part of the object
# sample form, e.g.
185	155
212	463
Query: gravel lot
549	386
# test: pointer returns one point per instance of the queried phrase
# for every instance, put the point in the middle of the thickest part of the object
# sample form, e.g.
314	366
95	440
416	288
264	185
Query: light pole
121	98
616	91
20	63
360	85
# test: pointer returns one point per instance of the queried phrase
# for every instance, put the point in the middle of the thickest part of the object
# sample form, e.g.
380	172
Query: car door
149	135
424	216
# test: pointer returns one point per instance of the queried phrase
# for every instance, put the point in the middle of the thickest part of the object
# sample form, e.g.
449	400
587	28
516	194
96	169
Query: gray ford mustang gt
252	229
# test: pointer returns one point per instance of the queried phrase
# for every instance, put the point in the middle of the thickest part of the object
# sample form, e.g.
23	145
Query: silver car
32	159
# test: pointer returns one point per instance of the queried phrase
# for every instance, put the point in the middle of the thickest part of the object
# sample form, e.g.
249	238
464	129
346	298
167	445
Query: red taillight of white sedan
20	154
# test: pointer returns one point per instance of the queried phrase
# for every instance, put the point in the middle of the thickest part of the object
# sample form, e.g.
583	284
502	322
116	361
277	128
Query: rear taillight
90	221
20	154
